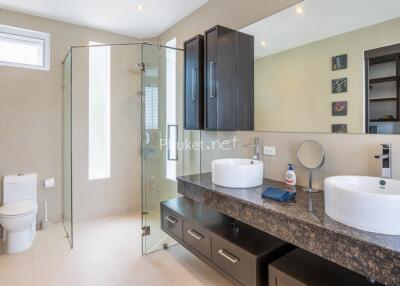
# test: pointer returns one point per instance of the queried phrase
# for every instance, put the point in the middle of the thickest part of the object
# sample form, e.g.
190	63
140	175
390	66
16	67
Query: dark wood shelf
376	99
383	79
383	120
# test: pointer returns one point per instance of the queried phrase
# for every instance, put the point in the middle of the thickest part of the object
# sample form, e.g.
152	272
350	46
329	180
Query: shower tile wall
120	192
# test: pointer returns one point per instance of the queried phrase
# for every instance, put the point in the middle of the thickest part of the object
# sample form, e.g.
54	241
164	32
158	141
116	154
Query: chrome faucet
257	148
386	158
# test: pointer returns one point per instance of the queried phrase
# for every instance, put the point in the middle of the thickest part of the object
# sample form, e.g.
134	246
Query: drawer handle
195	234
232	258
170	219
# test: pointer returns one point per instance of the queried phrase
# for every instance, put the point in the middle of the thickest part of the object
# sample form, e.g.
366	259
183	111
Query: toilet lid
18	208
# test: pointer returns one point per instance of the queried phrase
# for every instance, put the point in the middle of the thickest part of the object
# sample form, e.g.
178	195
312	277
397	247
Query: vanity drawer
238	263
171	223
198	238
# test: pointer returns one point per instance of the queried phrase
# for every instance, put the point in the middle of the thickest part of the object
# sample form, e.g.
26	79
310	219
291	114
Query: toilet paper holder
48	183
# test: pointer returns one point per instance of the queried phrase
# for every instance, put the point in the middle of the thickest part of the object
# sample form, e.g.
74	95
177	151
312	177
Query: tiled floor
107	252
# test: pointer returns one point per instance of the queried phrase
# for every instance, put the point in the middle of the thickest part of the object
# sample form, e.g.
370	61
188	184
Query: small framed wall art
339	85
339	62
339	108
339	128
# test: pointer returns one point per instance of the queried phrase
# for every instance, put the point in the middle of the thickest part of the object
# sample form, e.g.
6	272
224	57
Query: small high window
24	48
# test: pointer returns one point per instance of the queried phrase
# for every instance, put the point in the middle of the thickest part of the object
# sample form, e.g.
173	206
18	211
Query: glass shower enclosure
67	147
160	96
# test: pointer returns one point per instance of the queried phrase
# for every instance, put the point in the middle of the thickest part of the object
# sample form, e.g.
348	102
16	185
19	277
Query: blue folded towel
278	194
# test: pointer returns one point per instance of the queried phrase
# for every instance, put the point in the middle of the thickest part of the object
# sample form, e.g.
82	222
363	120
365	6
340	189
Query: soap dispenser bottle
290	176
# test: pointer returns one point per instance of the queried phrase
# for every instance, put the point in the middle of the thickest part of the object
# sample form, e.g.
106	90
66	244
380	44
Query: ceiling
118	16
318	20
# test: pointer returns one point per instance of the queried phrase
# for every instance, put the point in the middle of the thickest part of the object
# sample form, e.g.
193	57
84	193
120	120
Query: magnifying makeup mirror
311	156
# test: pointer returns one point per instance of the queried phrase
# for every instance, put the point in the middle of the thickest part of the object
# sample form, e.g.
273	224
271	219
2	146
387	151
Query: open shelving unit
382	74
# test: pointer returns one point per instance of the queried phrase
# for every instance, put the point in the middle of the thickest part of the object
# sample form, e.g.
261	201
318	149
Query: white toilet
18	213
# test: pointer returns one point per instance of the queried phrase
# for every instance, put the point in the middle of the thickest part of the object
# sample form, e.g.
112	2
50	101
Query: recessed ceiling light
299	10
140	7
263	43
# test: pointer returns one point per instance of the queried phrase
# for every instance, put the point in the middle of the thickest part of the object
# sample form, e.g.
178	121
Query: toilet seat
18	209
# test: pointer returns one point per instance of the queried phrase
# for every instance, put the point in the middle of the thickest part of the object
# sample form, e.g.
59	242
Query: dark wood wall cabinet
228	80
229	73
239	252
194	83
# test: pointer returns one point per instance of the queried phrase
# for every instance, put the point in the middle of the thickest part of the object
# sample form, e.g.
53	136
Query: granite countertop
303	223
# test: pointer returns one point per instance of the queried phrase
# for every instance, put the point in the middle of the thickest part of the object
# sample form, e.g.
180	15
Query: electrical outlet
269	150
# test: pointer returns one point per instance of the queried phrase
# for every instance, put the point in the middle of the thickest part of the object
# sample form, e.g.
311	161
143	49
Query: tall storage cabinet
229	80
194	83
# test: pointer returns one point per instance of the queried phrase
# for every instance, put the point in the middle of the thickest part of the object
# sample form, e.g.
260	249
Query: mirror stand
310	188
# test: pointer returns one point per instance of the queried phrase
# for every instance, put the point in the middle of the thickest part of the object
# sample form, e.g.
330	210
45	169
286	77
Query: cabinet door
211	98
194	63
227	79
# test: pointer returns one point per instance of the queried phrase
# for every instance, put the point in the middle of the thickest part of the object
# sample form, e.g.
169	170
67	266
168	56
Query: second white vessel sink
367	203
237	173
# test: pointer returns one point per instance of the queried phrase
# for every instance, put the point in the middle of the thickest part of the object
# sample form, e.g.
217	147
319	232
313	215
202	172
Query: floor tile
106	252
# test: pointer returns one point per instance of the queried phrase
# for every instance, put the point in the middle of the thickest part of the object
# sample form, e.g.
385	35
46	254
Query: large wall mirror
329	66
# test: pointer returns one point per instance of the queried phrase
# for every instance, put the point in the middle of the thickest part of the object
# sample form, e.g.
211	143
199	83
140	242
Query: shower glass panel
67	146
161	81
140	122
106	130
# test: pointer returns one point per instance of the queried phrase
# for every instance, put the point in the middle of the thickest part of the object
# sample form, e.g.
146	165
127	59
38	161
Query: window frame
16	33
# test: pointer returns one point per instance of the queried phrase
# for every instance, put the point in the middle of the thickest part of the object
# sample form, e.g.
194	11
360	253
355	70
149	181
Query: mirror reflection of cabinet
194	85
383	90
229	80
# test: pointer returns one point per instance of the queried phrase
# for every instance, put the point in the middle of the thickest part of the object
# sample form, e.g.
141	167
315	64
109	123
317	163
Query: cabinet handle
170	219
212	80
232	258
195	234
194	84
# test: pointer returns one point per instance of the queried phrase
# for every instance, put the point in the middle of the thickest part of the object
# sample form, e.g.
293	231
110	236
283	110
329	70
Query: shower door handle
194	83
172	152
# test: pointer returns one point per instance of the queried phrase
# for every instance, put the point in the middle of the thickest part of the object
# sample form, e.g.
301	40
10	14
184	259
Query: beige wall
230	13
31	108
293	87
347	154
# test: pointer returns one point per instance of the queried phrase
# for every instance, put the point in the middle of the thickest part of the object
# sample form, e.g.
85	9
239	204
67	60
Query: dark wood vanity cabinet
229	80
194	83
236	250
301	268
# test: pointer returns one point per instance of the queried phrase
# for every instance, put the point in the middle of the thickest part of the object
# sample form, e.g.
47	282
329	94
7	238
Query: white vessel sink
237	173
367	203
